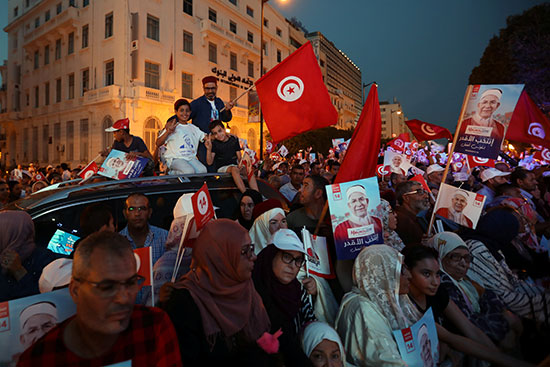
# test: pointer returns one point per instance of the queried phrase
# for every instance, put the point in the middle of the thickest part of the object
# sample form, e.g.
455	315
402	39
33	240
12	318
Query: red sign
4	316
144	261
88	171
382	170
202	207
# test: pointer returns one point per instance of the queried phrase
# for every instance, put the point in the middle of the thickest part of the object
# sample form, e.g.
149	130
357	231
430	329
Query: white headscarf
259	233
318	331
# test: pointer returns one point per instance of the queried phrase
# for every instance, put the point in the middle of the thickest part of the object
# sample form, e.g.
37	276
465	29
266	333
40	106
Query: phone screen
62	242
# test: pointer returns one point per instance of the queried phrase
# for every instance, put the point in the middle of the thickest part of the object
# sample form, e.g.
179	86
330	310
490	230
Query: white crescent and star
290	88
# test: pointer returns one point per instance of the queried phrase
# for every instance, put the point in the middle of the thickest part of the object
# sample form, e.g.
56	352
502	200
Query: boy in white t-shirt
181	141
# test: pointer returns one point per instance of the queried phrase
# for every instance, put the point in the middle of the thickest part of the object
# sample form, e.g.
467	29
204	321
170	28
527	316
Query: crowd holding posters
461	206
419	344
488	111
350	205
25	320
117	166
396	163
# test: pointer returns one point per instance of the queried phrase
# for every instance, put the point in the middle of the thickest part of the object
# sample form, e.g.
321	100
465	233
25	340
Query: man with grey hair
413	200
459	201
107	327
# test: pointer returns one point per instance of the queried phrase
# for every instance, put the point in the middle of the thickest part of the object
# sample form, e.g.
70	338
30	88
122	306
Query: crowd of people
241	294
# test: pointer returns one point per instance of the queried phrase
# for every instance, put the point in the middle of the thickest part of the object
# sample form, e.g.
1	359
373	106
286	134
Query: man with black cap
208	108
134	146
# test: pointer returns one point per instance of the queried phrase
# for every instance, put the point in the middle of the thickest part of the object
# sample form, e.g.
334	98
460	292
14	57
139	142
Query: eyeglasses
138	208
419	191
288	259
456	258
109	288
248	251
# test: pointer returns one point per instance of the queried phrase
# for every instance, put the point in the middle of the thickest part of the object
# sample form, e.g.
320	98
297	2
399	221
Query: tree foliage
520	54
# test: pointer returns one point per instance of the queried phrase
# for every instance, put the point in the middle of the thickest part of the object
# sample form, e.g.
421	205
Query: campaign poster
351	206
488	111
336	142
62	242
283	151
253	106
25	320
458	205
317	257
418	344
117	166
396	163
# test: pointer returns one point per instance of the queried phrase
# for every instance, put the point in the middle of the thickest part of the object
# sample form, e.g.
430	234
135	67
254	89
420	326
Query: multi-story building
75	66
393	119
342	78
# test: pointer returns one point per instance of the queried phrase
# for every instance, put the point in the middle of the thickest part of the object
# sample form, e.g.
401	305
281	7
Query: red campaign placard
145	264
408	339
202	207
336	192
4	316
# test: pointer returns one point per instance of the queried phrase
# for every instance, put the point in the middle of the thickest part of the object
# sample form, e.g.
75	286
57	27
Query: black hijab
256	198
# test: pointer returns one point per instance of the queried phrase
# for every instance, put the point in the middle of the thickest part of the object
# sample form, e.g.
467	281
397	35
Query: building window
279	55
109	73
187	85
153	27
72	3
34	146
234	2
36	22
71	86
58	49
47	94
266	23
85	36
251	68
70	140
264	47
27	95
212	52
47	16
36	96
322	63
107	136
212	15
70	48
45	142
57	141
152	75
233	61
36	59
232	93
85	81
58	90
108	25
188	7
46	54
84	140
250	11
233	26
15	11
59	8
250	37
85	3
152	127
294	43
27	3
188	42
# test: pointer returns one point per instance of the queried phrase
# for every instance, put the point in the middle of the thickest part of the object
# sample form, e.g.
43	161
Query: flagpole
450	157
242	94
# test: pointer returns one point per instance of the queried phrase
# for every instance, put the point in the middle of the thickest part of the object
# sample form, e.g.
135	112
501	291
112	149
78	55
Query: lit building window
153	27
187	85
152	75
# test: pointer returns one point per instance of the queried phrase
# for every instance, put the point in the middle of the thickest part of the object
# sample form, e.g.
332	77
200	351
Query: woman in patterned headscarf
385	213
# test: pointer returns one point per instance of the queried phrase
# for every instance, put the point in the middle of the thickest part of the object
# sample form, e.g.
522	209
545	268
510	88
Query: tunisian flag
528	123
293	96
426	131
362	154
479	162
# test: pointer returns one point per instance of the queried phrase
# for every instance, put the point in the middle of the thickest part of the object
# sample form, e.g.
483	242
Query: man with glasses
413	200
107	328
139	232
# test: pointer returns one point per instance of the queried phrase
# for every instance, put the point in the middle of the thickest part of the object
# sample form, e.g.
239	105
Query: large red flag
426	131
479	162
362	154
293	96
528	123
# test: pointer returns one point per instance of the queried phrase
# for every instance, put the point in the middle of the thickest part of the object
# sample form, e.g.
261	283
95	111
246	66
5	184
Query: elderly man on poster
455	212
395	165
488	103
360	223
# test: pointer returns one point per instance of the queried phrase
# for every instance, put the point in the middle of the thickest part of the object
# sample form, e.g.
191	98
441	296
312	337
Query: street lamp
363	90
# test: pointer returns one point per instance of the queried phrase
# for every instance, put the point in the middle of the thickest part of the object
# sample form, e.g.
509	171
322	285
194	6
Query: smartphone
62	242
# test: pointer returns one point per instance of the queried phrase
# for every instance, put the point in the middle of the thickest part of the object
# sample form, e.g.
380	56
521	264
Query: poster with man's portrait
25	320
489	109
351	206
461	206
418	344
396	163
117	166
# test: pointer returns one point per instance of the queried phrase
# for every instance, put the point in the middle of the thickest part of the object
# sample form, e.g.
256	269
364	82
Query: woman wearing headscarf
482	307
287	302
217	313
376	305
323	346
385	212
495	230
266	223
248	200
21	262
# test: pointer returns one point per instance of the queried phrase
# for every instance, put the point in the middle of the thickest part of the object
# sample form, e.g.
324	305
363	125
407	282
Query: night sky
419	51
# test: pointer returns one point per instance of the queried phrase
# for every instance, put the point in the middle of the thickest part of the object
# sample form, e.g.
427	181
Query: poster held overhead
118	167
461	206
